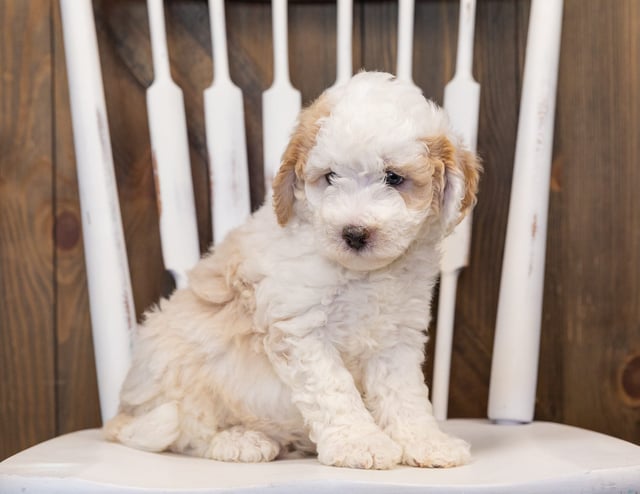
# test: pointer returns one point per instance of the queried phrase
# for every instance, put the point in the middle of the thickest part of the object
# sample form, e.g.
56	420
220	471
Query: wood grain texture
589	366
250	63
312	37
27	295
597	228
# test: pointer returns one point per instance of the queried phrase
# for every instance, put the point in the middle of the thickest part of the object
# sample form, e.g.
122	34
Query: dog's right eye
330	177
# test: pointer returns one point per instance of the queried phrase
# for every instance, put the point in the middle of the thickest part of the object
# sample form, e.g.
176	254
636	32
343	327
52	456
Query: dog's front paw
437	451
239	444
373	450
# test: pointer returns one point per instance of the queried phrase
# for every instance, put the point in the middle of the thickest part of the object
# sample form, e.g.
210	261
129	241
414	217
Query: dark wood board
27	291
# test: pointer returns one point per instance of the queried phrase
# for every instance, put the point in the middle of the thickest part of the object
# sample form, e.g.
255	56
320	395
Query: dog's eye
330	177
393	179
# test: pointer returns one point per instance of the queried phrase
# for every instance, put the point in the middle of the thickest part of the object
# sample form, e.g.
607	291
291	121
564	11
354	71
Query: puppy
304	330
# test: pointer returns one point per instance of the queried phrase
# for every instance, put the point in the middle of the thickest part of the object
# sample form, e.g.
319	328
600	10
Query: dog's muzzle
356	237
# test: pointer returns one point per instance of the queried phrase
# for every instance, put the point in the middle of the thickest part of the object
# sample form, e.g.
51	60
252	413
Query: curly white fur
288	337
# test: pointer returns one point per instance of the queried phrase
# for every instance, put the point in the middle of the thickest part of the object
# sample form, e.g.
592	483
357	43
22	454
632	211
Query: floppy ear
291	173
460	169
285	180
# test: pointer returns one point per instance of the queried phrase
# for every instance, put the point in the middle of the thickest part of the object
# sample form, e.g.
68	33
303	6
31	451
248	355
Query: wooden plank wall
590	363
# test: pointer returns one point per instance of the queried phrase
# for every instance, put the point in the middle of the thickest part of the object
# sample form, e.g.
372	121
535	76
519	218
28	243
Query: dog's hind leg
155	430
242	445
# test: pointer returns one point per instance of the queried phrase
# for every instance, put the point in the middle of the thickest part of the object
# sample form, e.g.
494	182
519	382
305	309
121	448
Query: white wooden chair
523	457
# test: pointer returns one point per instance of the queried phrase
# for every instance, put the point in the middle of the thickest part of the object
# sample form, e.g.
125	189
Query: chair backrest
113	316
112	308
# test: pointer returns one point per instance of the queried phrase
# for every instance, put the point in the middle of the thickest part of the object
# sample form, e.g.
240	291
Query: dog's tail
155	430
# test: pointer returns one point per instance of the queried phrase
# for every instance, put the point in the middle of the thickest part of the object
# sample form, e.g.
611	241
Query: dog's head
374	165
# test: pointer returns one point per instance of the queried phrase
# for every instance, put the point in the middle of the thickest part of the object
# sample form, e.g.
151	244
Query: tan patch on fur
218	279
295	158
471	169
447	159
422	182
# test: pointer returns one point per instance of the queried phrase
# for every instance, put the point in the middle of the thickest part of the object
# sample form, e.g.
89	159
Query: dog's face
373	165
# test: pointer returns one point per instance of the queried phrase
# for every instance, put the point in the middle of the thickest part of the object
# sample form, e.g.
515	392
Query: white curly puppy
305	329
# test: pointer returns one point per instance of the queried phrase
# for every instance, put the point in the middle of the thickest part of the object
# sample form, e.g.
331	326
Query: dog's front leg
397	397
324	391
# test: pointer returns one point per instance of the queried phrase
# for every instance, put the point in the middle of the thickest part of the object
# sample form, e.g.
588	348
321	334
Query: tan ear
291	173
285	181
461	175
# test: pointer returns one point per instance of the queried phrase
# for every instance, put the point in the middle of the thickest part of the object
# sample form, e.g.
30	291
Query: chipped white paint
226	141
344	65
170	147
281	102
517	339
462	103
112	310
404	67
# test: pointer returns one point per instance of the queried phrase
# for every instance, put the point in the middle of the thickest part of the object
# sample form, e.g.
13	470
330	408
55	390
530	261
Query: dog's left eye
330	177
393	179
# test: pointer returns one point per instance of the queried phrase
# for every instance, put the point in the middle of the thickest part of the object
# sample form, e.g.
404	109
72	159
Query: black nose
355	236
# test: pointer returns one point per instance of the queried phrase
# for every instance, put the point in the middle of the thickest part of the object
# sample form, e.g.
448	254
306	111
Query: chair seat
518	458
